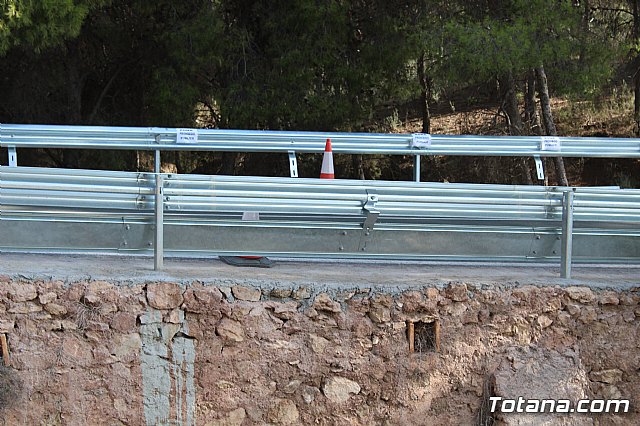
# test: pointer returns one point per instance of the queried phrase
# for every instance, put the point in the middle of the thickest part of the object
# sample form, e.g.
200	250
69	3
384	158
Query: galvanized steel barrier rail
15	136
60	210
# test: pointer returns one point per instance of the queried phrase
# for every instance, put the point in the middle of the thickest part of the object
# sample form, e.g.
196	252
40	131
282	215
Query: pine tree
42	24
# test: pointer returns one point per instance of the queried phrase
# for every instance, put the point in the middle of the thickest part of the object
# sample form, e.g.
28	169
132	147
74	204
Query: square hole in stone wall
424	336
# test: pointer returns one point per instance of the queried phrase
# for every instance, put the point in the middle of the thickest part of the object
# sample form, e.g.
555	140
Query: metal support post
416	168
293	164
567	233
13	156
157	163
539	167
158	249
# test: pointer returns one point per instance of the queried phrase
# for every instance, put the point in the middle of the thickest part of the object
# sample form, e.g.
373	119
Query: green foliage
301	64
291	64
40	24
190	40
513	35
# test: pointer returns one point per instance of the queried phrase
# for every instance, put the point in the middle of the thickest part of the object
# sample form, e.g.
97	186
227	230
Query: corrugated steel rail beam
156	138
59	210
108	190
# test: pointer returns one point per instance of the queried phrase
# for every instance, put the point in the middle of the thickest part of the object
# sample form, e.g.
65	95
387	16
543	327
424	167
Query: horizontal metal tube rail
55	210
156	138
194	193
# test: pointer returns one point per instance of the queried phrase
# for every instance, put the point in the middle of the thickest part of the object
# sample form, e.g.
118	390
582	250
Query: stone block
233	418
164	295
339	389
301	293
457	292
25	308
249	294
534	373
124	322
610	376
284	412
47	297
580	294
281	293
55	309
230	330
22	292
324	303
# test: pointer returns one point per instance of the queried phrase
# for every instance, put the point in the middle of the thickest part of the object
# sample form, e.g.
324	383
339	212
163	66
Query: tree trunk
586	20
74	85
137	160
425	95
510	104
636	75
532	119
358	166
636	102
516	127
178	160
531	111
547	118
228	163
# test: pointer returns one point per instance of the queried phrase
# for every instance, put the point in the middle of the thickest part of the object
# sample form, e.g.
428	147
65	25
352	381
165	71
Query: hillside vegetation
513	67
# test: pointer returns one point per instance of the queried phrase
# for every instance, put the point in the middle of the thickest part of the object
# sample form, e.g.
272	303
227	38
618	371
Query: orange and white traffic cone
326	172
255	261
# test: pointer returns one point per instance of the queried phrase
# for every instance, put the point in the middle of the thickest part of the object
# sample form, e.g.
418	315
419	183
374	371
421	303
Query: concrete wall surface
95	340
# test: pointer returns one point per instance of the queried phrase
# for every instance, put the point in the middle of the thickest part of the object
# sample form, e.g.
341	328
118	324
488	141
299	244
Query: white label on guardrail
188	136
550	143
421	140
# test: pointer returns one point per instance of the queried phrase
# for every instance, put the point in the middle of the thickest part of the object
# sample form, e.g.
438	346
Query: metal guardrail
152	138
106	191
15	136
59	210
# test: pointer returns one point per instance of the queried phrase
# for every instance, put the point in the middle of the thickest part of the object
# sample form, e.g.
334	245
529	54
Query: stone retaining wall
96	352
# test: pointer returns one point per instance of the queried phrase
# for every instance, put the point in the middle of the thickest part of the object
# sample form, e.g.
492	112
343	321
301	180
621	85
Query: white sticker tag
421	140
550	143
188	136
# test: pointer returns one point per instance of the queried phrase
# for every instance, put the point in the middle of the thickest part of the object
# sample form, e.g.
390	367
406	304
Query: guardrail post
13	156
416	168
293	164
567	233
158	249
539	167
